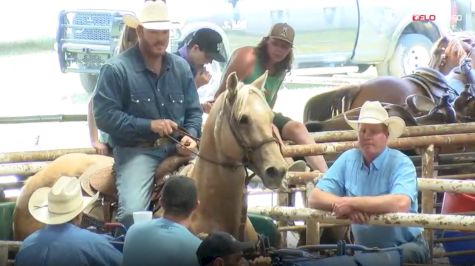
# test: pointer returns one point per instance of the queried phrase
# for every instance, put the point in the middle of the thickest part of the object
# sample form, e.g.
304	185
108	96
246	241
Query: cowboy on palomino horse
237	133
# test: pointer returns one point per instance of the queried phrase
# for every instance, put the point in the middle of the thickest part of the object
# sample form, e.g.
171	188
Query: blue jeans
135	171
416	252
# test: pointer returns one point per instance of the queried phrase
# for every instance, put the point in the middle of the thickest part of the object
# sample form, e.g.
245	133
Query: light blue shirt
67	244
160	242
391	172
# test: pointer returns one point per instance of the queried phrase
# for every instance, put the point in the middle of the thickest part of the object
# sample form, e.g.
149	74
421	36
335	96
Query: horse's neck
220	188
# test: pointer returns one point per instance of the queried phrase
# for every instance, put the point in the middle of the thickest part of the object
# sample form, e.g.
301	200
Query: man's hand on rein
163	127
189	144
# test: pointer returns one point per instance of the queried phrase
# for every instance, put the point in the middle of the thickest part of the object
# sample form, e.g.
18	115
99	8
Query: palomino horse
237	133
429	82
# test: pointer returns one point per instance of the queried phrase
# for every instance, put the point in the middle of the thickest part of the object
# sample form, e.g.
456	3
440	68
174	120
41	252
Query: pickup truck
394	36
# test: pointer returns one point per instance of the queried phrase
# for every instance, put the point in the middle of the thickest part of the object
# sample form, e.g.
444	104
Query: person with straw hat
374	179
274	54
143	95
61	241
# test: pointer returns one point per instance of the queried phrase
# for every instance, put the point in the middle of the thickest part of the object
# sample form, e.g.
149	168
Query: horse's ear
260	81
231	85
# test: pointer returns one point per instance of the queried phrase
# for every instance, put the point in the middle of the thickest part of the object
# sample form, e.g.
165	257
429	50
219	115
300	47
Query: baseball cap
210	42
282	31
220	244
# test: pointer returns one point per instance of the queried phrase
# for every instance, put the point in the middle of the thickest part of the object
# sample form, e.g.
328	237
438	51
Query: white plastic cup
142	216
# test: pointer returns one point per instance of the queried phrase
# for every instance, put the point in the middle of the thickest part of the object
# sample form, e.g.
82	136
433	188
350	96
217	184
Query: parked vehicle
395	36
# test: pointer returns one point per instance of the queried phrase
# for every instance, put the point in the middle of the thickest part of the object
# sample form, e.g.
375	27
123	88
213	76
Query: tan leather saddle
101	178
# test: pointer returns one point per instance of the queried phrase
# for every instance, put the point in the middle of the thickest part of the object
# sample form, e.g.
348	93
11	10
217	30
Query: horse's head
450	50
243	129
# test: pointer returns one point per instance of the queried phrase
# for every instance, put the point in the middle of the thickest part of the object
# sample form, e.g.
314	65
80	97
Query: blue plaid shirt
391	172
128	96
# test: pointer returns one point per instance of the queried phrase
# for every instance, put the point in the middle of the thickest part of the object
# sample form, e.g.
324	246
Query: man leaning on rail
374	179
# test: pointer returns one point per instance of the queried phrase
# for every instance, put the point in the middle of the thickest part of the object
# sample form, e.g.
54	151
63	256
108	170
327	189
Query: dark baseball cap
220	244
210	42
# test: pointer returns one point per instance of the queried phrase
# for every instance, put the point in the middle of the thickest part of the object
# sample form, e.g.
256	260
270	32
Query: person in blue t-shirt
166	241
374	179
61	241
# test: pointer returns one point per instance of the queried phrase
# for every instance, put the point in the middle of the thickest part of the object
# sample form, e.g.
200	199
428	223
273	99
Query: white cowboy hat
153	16
60	203
372	112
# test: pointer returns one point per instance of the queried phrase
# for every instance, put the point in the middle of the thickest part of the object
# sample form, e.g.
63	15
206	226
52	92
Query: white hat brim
395	124
38	207
133	22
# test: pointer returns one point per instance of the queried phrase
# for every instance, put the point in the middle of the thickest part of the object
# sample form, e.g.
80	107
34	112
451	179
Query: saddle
101	178
338	122
434	83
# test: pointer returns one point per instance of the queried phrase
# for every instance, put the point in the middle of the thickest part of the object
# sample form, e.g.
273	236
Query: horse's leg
73	164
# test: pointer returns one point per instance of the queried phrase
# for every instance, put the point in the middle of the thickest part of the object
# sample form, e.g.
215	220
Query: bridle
246	162
248	148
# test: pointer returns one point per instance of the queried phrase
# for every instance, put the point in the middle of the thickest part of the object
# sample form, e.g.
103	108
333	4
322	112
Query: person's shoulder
350	154
177	60
246	54
398	154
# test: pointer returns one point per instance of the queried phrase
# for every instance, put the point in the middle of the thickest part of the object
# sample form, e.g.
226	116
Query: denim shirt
129	96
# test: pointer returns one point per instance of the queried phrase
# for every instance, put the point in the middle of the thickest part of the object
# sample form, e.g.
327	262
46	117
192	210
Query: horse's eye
244	120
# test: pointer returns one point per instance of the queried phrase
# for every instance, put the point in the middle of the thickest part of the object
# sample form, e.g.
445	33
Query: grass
26	46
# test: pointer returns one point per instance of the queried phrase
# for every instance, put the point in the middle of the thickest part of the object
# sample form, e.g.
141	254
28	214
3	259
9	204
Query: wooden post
400	143
412	131
427	198
283	200
311	233
48	155
3	255
25	169
433	221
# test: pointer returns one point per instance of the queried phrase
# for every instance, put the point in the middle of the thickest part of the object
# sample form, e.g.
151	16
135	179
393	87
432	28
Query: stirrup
298	166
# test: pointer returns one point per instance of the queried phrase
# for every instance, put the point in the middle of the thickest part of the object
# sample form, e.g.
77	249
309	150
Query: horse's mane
243	93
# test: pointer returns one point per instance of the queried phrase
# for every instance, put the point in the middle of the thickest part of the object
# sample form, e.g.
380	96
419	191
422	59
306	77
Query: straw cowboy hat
372	112
153	16
60	203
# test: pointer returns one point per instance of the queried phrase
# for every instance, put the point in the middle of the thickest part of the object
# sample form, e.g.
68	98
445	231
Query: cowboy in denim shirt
143	94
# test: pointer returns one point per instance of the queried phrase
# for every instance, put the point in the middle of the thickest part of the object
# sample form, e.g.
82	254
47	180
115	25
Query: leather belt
159	142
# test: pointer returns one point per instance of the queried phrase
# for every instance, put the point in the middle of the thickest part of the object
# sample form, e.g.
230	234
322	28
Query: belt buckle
160	141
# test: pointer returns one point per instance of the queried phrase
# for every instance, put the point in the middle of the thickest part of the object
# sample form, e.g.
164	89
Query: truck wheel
412	51
88	81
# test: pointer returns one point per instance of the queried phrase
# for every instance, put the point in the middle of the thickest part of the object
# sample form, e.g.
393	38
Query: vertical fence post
427	198
3	255
283	200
